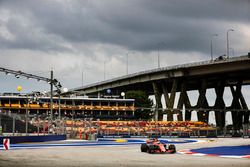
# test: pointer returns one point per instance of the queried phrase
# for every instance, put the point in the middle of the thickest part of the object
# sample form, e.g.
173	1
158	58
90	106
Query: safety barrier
22	139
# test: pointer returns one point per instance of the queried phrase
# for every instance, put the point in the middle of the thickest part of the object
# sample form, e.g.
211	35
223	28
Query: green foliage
141	101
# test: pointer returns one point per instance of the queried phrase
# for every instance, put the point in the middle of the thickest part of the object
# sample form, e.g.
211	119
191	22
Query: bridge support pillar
238	103
184	101
157	114
187	104
220	104
202	103
170	99
244	106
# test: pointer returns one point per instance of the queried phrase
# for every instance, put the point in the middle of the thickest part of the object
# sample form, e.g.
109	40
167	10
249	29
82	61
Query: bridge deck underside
192	83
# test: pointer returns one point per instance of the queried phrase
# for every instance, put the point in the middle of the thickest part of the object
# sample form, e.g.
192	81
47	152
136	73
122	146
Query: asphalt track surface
120	154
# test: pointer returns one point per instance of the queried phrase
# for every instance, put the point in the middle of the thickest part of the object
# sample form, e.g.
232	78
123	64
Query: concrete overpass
230	69
218	74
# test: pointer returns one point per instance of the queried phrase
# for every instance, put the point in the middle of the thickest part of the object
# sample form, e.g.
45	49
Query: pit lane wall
25	139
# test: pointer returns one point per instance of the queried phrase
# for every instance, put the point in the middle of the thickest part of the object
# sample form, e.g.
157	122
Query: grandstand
77	107
83	116
140	128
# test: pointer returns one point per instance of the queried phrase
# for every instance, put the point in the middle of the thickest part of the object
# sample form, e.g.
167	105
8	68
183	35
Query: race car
155	146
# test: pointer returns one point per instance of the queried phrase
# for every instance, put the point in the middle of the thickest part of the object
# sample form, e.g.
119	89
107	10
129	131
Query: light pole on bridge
104	70
211	44
127	61
158	49
228	42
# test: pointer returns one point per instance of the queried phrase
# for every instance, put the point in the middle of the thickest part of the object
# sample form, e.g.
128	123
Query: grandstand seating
66	107
136	127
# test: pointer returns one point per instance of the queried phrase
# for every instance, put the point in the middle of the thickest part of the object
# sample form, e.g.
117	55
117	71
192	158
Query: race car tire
172	148
151	149
144	147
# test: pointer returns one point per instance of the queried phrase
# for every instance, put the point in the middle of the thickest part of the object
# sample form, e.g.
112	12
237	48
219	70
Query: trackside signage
6	144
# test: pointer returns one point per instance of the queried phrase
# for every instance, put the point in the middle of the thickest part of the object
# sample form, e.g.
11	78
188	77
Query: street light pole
127	60
82	78
232	50
59	104
211	45
158	49
158	58
104	70
26	115
228	42
127	65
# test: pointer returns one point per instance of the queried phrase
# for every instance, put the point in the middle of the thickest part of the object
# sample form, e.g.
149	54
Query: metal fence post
43	127
38	126
1	128
1	123
13	124
26	121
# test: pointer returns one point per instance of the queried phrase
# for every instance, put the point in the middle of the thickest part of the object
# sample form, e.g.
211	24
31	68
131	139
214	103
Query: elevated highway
231	70
217	74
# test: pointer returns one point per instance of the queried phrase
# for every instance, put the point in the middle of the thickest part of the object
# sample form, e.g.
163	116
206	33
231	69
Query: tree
142	102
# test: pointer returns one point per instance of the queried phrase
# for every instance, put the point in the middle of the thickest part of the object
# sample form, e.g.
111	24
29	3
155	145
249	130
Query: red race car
155	146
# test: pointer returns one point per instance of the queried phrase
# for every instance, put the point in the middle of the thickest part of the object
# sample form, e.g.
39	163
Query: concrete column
170	99
157	115
236	115
220	104
180	107
166	97
186	102
244	106
183	100
202	103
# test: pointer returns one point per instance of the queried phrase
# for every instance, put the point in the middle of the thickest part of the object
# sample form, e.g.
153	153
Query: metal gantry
51	81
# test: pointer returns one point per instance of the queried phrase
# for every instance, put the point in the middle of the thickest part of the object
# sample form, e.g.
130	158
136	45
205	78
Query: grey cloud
29	37
213	9
136	25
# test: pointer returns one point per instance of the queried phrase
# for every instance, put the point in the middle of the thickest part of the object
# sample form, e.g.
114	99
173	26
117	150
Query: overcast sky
76	37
